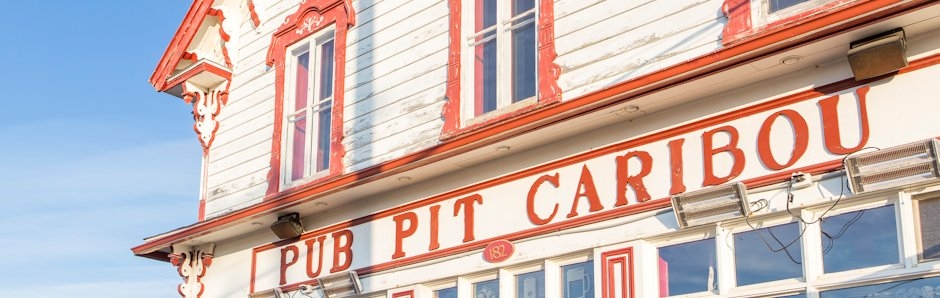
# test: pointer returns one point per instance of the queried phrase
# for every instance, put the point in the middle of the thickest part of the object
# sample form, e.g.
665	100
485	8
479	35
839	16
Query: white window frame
760	11
309	45
503	36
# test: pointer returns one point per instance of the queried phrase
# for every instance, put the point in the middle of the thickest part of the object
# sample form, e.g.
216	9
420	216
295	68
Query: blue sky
92	159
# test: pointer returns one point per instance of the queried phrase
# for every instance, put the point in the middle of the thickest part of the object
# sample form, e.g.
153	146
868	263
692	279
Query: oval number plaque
498	251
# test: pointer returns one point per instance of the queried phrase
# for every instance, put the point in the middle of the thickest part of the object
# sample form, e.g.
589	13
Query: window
502	47
928	228
688	267
446	293
486	289
777	5
859	239
308	111
308	94
577	280
925	287
530	285
768	254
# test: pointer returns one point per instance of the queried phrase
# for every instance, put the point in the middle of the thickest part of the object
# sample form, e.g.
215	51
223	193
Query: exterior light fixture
340	285
902	165
878	55
287	226
711	205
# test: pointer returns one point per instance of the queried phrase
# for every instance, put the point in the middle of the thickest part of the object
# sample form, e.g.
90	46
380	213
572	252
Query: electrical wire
790	197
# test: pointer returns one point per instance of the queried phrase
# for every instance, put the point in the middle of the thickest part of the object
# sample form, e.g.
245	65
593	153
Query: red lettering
800	137
285	263
624	179
587	190
530	200
435	223
830	121
709	151
675	166
467	205
310	245
401	232
344	249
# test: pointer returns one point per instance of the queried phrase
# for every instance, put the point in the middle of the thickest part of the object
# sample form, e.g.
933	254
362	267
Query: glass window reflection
924	287
446	293
486	289
688	267
530	285
859	239
577	280
768	254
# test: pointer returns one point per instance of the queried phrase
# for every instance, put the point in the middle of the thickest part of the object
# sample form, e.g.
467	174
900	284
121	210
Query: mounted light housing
340	285
904	165
287	226
711	205
878	55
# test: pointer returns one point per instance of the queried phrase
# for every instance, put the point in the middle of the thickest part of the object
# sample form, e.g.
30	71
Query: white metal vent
902	165
711	205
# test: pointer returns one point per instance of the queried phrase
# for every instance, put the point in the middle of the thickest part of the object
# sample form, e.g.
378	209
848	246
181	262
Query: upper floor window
502	54
777	5
308	112
306	53
501	63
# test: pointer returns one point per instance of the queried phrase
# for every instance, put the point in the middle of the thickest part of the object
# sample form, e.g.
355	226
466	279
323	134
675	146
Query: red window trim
548	72
297	27
740	26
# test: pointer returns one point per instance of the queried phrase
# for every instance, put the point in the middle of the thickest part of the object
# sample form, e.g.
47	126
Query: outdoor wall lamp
903	165
287	226
711	205
878	55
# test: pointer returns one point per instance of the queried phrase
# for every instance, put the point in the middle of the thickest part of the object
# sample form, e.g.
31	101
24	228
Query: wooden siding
396	74
601	43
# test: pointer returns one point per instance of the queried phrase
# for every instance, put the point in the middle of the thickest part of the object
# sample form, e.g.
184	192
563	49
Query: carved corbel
206	107
192	262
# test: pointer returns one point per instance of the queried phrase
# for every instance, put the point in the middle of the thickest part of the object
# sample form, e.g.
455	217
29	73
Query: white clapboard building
559	148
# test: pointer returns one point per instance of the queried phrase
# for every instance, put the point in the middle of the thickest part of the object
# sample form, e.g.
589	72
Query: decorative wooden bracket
192	264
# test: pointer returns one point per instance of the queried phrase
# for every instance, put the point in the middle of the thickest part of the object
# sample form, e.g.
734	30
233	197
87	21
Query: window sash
310	88
502	55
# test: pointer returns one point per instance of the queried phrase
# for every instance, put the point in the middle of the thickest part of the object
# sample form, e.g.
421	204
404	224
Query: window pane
776	5
323	136
925	287
688	267
530	285
801	295
578	280
523	60
521	6
929	228
486	289
298	145
446	293
757	261
860	239
485	77
326	70
485	14
301	81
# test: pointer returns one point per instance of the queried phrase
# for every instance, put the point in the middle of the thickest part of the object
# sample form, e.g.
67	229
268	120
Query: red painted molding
740	53
404	294
252	14
296	27
738	13
623	257
548	72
